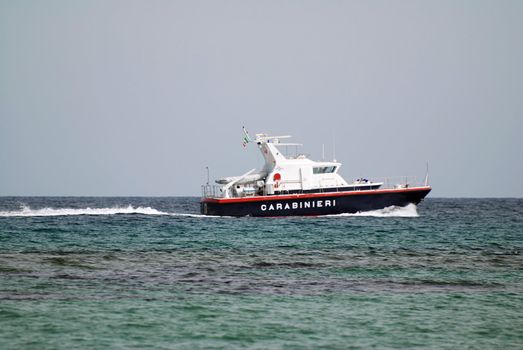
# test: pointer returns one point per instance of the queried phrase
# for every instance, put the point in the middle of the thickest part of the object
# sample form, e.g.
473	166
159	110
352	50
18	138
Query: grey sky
137	97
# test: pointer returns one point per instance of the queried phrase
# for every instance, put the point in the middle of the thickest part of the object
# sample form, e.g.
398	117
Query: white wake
409	211
27	211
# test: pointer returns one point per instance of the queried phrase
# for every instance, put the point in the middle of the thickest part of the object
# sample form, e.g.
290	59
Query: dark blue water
151	272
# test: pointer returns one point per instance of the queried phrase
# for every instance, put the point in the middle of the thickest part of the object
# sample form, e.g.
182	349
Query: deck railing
212	191
389	182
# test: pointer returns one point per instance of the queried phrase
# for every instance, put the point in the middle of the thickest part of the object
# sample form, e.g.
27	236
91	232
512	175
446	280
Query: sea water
121	273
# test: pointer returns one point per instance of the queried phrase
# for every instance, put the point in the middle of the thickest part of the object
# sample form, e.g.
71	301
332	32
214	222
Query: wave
408	211
27	211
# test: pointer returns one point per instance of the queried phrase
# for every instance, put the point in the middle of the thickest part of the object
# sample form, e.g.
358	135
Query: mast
269	150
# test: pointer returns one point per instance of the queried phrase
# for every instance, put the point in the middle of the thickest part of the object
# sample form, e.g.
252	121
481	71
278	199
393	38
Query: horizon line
194	196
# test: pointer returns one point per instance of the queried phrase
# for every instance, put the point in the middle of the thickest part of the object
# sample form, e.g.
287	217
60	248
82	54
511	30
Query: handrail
389	182
394	181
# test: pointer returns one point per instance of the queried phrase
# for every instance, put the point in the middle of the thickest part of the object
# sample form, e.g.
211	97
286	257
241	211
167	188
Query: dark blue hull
313	204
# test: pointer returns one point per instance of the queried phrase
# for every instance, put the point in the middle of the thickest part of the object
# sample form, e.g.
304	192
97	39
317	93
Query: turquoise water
126	273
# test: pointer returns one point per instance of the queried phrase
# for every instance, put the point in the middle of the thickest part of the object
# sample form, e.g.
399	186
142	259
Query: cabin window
323	170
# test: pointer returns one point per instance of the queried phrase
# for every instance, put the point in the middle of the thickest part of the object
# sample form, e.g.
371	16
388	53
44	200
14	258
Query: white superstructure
284	175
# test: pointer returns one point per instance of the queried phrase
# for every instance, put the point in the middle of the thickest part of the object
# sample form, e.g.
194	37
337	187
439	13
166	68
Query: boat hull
313	204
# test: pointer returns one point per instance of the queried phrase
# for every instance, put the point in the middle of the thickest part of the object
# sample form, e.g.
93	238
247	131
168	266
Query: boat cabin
286	175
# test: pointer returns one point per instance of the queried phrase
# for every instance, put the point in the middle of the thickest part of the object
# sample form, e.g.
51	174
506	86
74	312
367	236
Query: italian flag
246	138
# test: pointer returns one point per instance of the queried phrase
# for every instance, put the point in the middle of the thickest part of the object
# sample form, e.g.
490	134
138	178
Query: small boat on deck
298	186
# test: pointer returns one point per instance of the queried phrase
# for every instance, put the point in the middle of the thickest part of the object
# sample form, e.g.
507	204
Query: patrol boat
296	185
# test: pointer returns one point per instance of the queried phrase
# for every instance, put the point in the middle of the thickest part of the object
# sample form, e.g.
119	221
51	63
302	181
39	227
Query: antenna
427	175
207	175
333	146
323	151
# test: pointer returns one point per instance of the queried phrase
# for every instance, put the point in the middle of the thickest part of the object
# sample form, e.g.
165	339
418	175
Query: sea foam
408	211
27	211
